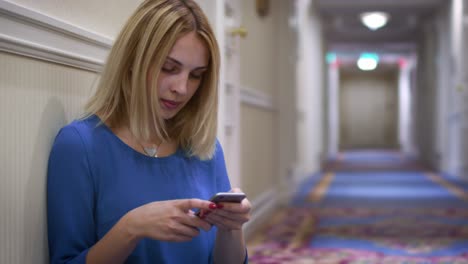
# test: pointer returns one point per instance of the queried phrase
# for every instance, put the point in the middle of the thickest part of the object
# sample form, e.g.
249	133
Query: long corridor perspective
369	206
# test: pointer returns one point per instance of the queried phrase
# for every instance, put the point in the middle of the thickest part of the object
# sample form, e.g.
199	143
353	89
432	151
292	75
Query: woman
123	181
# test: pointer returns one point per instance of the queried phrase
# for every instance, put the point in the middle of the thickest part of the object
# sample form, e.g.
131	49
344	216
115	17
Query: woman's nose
180	84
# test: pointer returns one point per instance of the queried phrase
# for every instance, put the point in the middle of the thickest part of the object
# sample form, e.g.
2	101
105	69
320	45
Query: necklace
151	151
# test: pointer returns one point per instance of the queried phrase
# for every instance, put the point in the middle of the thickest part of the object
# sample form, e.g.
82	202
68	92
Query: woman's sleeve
70	199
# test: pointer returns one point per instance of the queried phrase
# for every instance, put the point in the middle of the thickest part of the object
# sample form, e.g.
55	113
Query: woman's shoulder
218	151
85	124
78	130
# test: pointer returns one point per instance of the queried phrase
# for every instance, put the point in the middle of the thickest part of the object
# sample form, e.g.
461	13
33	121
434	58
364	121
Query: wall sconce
262	7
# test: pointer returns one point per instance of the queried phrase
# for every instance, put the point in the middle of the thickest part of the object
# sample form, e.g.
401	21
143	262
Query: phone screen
226	197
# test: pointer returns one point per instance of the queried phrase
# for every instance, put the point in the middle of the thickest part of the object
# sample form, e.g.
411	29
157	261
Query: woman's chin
168	115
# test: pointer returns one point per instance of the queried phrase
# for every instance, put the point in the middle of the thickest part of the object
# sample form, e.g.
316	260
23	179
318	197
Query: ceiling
345	33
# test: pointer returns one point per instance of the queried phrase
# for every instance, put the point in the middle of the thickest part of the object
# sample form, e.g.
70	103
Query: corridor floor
369	207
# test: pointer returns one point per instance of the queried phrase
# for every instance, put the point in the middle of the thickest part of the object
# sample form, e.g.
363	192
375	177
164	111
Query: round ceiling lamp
374	20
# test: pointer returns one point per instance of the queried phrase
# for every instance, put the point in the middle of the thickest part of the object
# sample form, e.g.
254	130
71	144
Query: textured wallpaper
36	99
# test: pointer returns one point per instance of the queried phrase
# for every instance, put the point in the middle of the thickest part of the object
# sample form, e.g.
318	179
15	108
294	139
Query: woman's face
181	74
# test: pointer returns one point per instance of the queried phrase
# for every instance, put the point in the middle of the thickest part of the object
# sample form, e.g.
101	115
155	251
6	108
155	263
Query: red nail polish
220	206
213	206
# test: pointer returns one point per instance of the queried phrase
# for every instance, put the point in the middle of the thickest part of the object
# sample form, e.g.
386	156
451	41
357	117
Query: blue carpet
391	189
369	207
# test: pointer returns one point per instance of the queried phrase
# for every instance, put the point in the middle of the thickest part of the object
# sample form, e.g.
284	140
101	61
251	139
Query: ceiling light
374	20
368	61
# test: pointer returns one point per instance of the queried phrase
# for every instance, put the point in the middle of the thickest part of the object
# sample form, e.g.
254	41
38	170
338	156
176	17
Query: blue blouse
94	178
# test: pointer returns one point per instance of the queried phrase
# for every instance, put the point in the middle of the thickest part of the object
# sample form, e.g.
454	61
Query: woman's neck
152	147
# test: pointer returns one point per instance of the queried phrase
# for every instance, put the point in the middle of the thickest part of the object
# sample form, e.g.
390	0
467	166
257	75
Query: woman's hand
167	220
229	216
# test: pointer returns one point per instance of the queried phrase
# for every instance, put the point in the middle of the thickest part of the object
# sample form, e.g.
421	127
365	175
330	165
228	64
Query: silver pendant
151	151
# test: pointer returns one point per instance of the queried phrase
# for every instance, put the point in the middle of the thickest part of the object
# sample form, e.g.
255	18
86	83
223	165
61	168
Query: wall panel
36	99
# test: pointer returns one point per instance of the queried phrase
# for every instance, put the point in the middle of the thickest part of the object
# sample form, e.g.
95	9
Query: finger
194	221
187	204
223	222
196	213
202	213
232	216
207	219
243	208
178	238
216	221
182	229
198	222
235	190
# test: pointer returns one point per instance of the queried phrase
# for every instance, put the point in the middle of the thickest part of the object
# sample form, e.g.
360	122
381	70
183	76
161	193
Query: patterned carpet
369	217
345	235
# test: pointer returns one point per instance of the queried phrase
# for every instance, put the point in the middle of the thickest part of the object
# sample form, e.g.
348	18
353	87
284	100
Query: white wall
333	128
215	13
103	17
37	97
425	95
441	93
258	68
310	82
287	87
447	123
405	126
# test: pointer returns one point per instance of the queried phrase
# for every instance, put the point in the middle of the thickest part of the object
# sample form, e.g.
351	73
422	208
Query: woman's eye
169	69
196	76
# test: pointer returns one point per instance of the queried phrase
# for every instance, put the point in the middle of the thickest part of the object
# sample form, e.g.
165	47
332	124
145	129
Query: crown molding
32	34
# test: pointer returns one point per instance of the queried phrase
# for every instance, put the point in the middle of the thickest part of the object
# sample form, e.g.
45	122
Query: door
225	17
230	108
368	110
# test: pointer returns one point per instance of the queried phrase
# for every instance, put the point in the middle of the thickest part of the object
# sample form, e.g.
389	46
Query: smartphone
226	197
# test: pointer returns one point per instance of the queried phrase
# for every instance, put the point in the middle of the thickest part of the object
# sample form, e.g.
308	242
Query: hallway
340	164
369	207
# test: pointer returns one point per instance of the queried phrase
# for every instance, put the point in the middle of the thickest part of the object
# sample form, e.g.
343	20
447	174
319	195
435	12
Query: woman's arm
115	246
229	219
165	221
229	247
70	199
71	208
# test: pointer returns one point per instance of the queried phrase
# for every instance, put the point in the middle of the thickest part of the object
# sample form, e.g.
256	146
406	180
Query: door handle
240	31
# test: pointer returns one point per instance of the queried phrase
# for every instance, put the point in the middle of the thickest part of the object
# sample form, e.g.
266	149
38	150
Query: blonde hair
122	96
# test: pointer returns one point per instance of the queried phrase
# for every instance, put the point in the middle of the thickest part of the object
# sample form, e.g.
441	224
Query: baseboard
459	176
262	208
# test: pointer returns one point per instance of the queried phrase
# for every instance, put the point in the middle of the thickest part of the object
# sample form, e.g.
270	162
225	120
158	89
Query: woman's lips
170	104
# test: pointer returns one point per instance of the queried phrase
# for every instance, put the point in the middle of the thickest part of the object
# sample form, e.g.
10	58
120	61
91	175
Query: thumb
235	190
